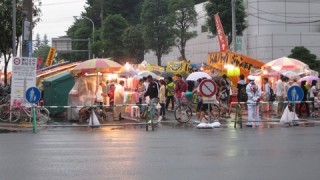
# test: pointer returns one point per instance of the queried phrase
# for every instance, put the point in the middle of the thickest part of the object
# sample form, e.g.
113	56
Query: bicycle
18	111
183	112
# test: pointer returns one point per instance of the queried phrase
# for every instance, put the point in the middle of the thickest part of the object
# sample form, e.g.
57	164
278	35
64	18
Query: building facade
275	27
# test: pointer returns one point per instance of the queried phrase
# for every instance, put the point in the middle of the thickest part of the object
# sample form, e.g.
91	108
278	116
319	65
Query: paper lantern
237	71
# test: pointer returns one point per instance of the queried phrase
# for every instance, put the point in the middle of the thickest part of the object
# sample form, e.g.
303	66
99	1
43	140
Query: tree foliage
6	29
132	39
182	16
303	54
112	30
156	28
223	7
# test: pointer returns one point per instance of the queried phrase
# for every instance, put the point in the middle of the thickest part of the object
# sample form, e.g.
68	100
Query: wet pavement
172	151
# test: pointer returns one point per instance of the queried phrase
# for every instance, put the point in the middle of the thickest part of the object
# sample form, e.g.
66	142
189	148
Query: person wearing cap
254	94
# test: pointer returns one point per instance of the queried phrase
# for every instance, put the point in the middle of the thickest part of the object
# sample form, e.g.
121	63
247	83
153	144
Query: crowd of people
169	93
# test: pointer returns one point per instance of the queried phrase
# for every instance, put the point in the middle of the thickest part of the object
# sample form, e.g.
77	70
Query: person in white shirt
279	95
254	94
267	93
313	92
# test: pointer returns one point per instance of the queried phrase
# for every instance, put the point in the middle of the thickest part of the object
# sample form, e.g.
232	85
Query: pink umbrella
309	78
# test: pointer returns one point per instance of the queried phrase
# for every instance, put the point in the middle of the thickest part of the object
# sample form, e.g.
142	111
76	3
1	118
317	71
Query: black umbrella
167	74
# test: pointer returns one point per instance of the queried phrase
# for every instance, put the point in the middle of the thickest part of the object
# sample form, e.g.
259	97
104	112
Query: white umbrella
290	74
146	74
196	75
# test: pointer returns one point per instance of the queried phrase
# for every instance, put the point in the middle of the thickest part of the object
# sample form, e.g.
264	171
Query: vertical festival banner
220	33
50	57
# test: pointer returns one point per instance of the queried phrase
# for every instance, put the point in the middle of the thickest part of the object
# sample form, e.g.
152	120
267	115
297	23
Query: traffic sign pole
208	88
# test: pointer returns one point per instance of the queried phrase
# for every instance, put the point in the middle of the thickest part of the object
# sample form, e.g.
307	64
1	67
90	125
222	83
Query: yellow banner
218	60
50	57
155	68
177	67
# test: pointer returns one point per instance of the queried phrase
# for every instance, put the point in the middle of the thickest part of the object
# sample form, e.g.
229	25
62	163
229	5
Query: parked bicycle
22	113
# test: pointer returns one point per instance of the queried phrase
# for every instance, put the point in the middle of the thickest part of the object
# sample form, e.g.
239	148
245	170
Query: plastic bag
288	117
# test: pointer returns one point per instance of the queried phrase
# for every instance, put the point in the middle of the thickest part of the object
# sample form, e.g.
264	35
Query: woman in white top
313	92
162	99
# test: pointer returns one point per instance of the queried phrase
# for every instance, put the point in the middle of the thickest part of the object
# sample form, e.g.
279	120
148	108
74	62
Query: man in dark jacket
152	92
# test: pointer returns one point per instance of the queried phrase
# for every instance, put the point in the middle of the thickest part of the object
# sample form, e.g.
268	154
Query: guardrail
148	106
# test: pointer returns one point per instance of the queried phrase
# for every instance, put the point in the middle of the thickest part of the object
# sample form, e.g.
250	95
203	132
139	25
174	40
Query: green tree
133	42
223	7
6	30
42	52
37	42
45	40
303	54
182	16
156	33
81	29
112	31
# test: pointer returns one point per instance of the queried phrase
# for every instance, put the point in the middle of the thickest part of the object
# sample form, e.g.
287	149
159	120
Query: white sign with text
24	75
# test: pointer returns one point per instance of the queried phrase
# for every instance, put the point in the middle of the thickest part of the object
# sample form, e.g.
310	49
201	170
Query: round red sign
208	88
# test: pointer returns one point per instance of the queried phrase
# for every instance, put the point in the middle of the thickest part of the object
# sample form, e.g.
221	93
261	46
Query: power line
69	2
284	22
281	15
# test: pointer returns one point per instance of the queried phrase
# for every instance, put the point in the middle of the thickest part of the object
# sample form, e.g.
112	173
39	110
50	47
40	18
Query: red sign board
208	88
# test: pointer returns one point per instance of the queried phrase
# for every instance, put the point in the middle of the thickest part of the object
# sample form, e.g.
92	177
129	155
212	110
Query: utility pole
27	28
14	27
233	6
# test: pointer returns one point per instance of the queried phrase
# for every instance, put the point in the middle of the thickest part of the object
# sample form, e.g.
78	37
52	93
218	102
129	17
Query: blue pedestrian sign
295	93
33	95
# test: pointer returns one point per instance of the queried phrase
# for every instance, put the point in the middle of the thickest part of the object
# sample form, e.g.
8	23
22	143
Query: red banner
220	33
39	62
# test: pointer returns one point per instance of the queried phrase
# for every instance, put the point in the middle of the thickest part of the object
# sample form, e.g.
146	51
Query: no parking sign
208	88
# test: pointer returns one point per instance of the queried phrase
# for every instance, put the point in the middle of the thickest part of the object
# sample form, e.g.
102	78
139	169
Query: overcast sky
57	16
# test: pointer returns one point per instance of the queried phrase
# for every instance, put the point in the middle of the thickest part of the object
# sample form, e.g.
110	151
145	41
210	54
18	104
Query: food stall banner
50	57
142	67
155	68
220	33
177	67
218	61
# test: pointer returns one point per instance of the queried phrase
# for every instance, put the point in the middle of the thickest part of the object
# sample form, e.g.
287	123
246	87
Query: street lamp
85	17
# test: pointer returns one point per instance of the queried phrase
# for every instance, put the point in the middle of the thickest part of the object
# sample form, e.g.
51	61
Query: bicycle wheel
15	114
4	113
183	113
44	114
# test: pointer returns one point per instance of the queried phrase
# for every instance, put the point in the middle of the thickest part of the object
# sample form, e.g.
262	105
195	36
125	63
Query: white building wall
275	27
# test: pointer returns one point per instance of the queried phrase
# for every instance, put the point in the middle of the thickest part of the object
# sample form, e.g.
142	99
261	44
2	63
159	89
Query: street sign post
24	71
208	88
33	95
295	93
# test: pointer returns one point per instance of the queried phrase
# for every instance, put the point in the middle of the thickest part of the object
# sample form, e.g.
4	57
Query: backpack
272	95
243	96
171	88
223	94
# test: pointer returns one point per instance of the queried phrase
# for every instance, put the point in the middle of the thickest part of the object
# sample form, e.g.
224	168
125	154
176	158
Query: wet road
170	152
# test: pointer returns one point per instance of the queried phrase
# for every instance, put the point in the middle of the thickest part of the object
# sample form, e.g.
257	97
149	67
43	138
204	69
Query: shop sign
50	57
218	60
155	68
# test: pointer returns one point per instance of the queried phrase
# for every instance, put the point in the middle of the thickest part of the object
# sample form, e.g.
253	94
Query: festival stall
87	88
233	65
